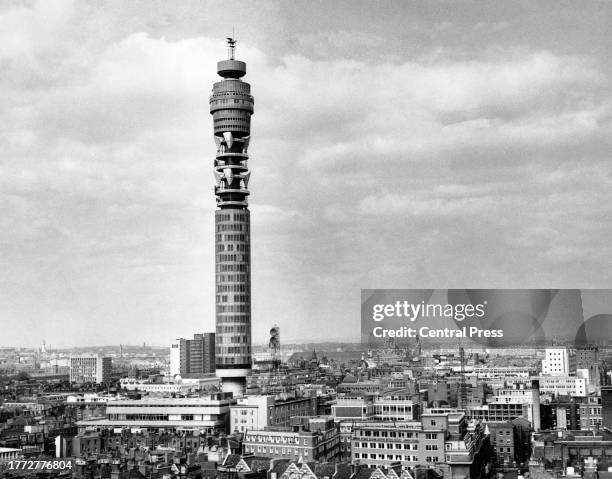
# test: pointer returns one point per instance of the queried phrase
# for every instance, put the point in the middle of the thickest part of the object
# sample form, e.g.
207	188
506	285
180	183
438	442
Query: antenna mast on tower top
231	47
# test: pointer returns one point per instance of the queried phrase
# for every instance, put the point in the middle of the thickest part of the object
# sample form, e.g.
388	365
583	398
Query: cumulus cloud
397	170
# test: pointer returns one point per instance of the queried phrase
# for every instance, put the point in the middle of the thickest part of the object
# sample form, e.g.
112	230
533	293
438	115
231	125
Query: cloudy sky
395	144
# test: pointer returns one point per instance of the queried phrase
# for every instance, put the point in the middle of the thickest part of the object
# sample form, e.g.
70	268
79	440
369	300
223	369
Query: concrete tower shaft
231	106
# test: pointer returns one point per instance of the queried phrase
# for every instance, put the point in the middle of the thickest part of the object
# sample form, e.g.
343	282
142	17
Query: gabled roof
257	463
343	471
280	466
364	472
406	474
232	460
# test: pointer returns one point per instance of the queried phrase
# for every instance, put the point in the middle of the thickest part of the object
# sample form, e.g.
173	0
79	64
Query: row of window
234	101
233	257
501	441
233	340
233	88
238	298
277	439
229	278
244	359
231	237
384	408
399	434
233	227
243	350
233	308
246	120
243	248
140	417
276	450
227	268
242	217
233	329
232	288
237	318
394	457
389	445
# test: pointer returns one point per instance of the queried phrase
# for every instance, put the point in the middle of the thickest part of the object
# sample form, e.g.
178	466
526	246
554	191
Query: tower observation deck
231	106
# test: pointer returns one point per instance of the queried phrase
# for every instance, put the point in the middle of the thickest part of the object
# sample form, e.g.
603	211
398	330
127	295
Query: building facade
587	358
591	413
256	412
502	442
308	439
175	359
90	369
558	361
606	406
206	413
193	356
521	393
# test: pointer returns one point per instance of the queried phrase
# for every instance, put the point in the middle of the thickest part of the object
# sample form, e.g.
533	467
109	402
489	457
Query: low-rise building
502	441
590	413
257	412
210	413
178	386
308	439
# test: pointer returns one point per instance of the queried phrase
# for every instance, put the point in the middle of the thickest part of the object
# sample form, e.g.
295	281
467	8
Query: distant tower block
231	106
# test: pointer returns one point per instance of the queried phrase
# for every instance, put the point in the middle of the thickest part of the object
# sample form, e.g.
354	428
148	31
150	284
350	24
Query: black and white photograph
290	239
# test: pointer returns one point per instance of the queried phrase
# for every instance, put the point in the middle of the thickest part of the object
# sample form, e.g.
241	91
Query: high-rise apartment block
193	356
90	369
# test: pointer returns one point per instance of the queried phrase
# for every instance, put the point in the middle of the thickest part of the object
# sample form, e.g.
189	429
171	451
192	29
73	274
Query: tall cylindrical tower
231	106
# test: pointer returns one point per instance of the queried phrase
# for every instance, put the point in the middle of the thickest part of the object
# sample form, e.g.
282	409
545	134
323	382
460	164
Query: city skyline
441	144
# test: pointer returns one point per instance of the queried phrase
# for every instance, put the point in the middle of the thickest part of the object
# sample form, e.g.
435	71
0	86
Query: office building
519	394
209	414
256	412
308	439
445	440
193	357
558	362
90	369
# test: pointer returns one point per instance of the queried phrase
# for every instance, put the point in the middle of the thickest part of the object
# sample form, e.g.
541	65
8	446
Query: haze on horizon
394	145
